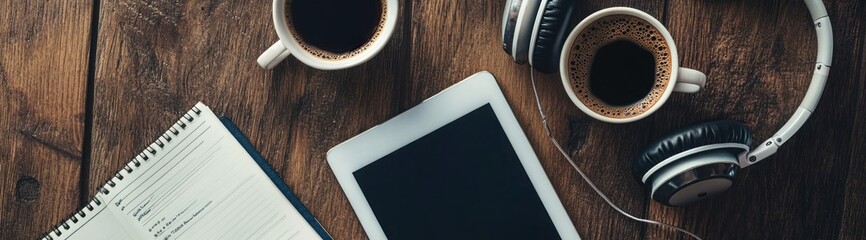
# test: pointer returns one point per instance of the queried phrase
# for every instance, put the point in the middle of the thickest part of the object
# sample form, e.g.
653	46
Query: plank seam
86	149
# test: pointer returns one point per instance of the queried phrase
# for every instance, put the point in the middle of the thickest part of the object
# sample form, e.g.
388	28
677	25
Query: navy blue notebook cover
275	178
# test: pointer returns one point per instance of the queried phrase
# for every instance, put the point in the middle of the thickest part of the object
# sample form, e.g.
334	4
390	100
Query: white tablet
457	166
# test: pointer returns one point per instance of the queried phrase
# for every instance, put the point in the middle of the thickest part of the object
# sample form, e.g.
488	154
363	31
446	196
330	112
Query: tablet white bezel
435	112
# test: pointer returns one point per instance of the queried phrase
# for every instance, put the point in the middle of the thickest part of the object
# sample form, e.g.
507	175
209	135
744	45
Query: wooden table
87	84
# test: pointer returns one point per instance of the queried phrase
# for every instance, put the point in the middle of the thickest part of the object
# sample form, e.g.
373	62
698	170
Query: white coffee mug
681	79
288	45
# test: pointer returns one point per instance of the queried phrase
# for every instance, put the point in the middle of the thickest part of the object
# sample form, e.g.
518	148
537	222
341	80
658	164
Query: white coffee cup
680	79
288	45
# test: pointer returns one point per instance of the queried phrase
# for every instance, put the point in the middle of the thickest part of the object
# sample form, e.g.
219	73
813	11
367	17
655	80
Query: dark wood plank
853	219
43	78
853	222
157	58
759	56
452	40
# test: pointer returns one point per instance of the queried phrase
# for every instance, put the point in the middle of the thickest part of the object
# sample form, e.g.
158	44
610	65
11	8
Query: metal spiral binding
72	218
161	142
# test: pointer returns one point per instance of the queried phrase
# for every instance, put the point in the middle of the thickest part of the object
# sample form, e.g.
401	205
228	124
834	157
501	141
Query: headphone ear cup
688	148
518	23
549	34
509	20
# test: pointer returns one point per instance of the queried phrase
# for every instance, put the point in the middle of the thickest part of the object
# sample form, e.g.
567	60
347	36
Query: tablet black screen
461	181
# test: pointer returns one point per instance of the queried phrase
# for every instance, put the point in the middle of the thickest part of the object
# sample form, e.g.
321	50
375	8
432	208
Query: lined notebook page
200	184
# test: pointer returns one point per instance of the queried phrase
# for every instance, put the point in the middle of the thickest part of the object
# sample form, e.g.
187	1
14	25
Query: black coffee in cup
622	73
335	29
620	66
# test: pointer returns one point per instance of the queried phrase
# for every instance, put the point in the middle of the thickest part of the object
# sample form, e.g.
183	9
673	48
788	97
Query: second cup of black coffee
620	65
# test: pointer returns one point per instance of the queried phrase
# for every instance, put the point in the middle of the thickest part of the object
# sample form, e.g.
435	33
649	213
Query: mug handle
274	55
690	80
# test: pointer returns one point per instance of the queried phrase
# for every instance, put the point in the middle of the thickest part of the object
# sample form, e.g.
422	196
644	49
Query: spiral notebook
201	179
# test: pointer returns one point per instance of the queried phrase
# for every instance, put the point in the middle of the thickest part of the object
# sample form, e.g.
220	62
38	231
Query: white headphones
688	164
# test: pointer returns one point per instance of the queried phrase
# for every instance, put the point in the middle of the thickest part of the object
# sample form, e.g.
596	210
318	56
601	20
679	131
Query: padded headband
819	78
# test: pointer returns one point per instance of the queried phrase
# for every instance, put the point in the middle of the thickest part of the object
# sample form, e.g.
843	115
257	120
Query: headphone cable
585	178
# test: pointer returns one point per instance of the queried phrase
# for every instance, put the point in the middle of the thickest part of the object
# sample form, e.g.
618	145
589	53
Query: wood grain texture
853	220
155	58
43	79
759	68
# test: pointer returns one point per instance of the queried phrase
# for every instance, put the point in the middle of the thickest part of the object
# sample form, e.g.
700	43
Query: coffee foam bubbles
319	53
605	31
